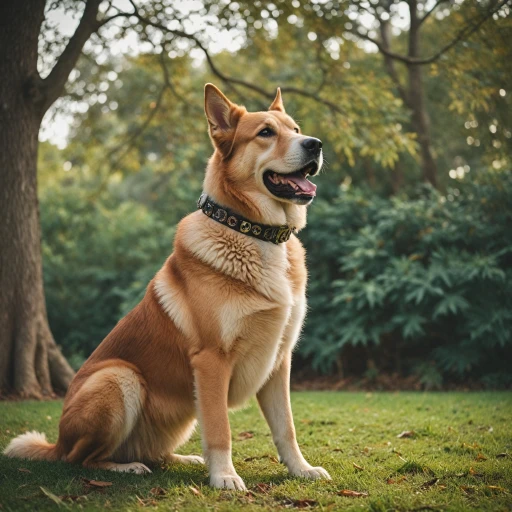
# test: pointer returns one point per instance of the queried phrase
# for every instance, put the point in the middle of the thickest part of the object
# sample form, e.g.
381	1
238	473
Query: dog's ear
277	104
223	116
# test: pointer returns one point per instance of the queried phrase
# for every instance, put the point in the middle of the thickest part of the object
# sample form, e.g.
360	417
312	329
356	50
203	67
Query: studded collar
267	233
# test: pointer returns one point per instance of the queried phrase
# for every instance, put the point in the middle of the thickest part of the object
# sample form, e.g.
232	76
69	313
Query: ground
455	453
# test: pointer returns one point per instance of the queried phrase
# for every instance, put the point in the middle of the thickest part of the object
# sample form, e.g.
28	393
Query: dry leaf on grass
406	433
496	488
502	455
397	480
245	435
158	491
352	494
96	483
263	488
430	483
149	502
24	470
473	472
357	467
480	456
195	490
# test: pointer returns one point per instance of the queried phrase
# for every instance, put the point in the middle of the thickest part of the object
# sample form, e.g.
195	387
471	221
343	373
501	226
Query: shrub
98	260
425	279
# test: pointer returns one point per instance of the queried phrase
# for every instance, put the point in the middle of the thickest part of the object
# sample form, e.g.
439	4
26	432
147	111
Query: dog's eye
296	130
266	132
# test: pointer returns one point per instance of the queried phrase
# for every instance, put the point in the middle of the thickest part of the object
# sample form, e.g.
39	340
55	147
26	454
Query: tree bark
416	100
31	364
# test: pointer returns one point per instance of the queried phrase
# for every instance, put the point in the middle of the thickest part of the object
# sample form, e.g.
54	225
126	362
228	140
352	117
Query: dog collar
227	217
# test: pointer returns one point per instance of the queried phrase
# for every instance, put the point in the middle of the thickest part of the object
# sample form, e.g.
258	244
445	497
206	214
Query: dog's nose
312	145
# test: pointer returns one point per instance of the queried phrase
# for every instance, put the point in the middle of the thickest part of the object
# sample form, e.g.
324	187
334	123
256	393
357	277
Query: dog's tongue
304	184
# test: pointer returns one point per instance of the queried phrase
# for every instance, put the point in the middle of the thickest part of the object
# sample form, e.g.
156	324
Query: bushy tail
32	445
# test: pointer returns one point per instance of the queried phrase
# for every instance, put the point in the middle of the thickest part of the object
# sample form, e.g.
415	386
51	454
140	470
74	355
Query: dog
218	322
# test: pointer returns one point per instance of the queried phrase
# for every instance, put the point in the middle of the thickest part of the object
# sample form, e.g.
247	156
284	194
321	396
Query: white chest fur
252	318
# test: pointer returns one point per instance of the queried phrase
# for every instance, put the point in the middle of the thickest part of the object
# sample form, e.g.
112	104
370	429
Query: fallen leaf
96	483
502	455
473	472
158	491
496	488
24	470
149	502
352	494
52	496
245	435
195	490
480	456
468	489
263	488
337	450
406	433
390	481
358	468
249	495
430	483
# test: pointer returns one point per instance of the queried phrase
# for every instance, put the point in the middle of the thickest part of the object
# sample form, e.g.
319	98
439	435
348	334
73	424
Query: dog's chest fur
247	301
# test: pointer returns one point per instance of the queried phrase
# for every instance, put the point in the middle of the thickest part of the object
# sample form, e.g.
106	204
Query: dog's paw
134	467
184	459
233	482
312	473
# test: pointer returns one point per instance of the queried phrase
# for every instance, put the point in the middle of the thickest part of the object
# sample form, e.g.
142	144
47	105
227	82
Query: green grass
451	462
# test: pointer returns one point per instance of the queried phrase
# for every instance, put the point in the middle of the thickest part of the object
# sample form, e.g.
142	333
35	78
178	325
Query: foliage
429	277
460	439
418	282
98	258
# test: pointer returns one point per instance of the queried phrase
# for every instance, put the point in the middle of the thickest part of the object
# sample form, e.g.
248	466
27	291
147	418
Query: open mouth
294	186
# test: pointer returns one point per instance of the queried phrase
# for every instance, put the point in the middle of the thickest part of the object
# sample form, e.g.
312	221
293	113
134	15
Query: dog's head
262	161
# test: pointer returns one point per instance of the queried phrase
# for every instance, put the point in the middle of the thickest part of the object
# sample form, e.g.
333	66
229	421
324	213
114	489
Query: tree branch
465	32
428	13
389	64
54	83
237	81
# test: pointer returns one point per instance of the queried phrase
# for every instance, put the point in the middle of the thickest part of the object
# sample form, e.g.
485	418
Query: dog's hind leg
101	416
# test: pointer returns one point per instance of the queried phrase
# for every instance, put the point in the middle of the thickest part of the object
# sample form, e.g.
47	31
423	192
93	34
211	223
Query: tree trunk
416	99
31	364
421	124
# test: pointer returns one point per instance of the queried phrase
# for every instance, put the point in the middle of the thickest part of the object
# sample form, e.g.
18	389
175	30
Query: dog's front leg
274	400
212	373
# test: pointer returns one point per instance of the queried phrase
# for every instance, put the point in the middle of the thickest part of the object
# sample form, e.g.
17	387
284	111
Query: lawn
455	455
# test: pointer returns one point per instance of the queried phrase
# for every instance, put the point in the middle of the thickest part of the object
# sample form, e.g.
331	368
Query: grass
453	460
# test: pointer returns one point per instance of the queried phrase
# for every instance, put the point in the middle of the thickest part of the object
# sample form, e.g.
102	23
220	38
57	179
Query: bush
98	260
422	282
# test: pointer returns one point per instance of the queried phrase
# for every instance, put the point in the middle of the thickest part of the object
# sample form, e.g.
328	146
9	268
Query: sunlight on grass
455	456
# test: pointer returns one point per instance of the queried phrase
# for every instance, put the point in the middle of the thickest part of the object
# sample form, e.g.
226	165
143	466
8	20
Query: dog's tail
32	445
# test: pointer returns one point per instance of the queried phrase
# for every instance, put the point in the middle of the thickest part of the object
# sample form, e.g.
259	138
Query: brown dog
218	322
